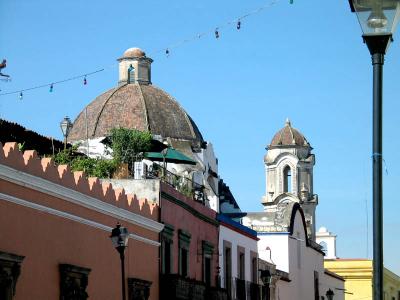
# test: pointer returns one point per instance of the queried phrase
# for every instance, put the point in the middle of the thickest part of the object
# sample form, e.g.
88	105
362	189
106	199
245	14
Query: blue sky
305	61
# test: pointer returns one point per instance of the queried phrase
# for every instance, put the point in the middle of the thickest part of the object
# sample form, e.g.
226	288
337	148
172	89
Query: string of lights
216	31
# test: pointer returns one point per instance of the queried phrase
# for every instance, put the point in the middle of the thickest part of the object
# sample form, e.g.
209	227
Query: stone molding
68	216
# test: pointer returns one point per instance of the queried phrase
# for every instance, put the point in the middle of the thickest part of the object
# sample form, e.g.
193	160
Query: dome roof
134	52
289	136
142	107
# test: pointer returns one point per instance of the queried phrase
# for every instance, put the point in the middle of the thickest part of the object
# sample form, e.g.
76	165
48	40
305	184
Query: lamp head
119	237
329	294
376	17
66	126
265	276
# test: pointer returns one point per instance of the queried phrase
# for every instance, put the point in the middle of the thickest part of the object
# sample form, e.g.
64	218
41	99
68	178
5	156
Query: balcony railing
239	289
183	184
173	287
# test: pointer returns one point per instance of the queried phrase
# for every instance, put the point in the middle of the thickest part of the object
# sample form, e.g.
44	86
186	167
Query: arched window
287	180
324	247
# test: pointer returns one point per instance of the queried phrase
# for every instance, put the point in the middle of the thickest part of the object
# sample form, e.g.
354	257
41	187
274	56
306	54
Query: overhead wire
216	31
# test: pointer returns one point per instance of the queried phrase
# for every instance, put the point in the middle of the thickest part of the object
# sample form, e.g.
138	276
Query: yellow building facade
358	276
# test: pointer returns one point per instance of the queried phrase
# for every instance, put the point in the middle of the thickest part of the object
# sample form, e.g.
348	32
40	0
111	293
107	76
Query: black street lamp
119	237
65	126
378	20
329	294
266	280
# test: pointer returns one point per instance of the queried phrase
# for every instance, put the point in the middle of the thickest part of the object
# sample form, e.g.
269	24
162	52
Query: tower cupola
134	67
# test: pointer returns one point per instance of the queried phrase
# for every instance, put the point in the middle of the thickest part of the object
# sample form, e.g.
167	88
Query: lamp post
65	126
329	294
119	237
266	279
378	20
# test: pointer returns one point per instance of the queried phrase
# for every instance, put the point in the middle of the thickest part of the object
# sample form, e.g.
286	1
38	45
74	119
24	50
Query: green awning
171	156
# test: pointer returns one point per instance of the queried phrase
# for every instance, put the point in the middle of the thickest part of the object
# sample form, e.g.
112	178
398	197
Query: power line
216	31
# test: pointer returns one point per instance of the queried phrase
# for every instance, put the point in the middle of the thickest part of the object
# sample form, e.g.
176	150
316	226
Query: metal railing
173	286
183	184
239	289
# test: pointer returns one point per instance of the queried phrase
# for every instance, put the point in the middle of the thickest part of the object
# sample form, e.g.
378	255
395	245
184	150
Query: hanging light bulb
377	19
51	88
21	96
84	80
238	25
216	33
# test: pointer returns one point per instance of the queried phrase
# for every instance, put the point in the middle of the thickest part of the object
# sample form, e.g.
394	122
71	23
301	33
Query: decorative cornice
69	216
188	208
168	232
59	191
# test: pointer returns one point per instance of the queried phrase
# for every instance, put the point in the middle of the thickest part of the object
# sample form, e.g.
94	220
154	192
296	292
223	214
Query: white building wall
291	254
279	245
236	239
303	261
337	286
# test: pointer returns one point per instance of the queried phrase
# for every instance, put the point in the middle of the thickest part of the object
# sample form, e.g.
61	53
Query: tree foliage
128	145
93	167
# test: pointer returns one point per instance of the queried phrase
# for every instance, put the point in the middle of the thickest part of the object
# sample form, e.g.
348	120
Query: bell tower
289	173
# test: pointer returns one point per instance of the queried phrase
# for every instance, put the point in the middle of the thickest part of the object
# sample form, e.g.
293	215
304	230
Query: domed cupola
288	136
135	103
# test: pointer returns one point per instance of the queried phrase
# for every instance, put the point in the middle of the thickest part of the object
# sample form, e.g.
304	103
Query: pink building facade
189	248
55	228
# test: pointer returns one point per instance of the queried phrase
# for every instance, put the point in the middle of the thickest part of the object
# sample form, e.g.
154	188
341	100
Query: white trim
68	216
59	191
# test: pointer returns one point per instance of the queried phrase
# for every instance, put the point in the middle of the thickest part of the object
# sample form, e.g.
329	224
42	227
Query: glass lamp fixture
330	294
119	237
265	277
376	17
65	126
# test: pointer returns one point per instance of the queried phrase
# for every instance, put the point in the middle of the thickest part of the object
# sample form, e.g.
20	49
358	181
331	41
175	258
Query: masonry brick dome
134	52
289	136
136	106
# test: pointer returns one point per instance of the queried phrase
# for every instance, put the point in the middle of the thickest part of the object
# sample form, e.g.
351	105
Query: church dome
138	106
289	136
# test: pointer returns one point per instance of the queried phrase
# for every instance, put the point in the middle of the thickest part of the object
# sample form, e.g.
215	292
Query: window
324	247
241	263
10	268
208	249
227	267
167	258
254	270
184	244
299	257
287	180
166	249
254	267
138	289
316	286
207	271
184	263
73	283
